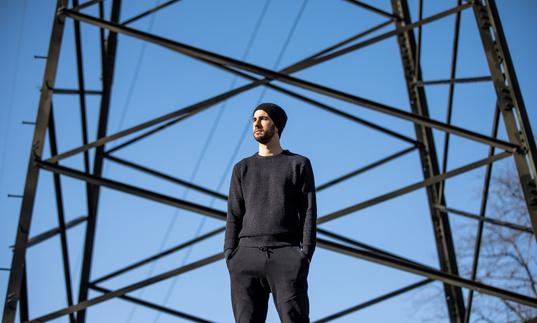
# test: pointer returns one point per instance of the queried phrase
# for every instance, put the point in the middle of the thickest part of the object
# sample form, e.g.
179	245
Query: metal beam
485	219
159	255
372	9
52	232
108	57
512	107
460	80
130	288
374	301
24	311
219	59
429	161
76	91
482	210
86	4
295	67
410	188
61	216
148	12
362	245
166	177
214	213
32	174
154	306
365	168
427	272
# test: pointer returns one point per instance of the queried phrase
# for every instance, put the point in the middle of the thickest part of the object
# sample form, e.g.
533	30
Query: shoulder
242	163
298	157
300	160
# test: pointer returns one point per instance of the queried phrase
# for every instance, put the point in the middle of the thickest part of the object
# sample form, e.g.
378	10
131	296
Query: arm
308	209
235	212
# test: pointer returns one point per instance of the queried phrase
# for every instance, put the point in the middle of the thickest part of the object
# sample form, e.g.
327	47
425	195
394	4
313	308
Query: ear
278	133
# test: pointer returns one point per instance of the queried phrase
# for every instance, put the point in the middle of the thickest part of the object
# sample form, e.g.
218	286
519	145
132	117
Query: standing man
271	225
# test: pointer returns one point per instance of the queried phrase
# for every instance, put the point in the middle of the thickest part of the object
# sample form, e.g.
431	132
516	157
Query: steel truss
510	107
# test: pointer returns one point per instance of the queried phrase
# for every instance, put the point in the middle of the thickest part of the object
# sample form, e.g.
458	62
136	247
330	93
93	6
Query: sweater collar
284	152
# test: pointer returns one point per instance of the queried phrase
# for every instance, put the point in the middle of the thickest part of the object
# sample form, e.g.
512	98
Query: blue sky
151	81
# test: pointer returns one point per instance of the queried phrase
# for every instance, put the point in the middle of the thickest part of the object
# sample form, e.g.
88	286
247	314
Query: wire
134	80
221	109
241	139
124	114
198	163
13	86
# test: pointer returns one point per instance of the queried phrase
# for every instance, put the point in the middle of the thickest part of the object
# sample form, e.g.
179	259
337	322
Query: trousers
255	272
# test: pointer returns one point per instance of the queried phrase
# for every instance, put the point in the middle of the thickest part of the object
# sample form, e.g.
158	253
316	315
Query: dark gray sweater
272	202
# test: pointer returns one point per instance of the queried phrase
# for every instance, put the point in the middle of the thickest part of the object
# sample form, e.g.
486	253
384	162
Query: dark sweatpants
257	271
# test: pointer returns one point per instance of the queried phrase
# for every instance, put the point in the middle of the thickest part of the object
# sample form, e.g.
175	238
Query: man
271	225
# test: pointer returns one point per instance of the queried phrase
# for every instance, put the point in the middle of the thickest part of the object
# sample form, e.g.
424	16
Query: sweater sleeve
235	210
308	209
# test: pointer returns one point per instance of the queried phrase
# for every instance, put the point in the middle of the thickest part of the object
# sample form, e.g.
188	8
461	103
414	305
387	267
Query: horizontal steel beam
362	245
201	209
372	9
427	272
130	288
159	255
370	256
181	113
55	231
365	168
374	301
459	80
154	306
86	4
150	11
411	188
223	60
493	221
76	91
166	177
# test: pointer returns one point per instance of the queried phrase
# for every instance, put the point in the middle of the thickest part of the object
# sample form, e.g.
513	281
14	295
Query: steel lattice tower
509	108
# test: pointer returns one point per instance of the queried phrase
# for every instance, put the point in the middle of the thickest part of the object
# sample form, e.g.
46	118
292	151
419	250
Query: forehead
260	113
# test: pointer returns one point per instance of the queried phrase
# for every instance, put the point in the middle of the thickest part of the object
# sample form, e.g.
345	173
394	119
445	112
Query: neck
271	148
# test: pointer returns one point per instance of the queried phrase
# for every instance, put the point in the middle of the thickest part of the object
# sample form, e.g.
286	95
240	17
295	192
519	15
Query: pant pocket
232	254
303	255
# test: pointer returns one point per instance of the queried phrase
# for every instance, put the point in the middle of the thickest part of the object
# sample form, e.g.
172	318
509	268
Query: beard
266	136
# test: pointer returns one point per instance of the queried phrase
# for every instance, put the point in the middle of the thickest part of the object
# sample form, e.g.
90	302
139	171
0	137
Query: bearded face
265	135
263	128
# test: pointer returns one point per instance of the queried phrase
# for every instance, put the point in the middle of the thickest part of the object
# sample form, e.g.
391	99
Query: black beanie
276	113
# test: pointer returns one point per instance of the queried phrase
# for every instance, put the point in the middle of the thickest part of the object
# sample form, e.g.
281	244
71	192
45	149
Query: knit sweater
272	202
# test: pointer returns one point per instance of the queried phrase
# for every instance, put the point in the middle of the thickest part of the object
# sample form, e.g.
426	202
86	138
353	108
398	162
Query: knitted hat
276	113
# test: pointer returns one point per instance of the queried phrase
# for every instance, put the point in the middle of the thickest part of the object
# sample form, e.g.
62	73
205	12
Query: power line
198	163
126	107
134	80
239	143
13	86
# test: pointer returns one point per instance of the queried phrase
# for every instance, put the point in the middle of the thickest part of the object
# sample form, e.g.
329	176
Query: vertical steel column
108	61
25	218
61	215
23	311
429	161
510	100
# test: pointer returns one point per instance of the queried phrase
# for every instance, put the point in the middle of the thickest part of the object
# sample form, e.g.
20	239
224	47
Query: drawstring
268	250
